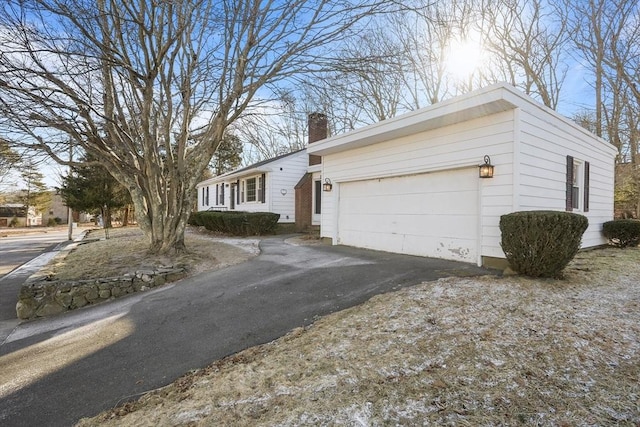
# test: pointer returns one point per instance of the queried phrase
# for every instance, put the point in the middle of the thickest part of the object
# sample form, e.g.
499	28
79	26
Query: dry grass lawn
456	352
126	251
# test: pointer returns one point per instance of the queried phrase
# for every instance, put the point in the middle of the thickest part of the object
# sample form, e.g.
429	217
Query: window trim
577	185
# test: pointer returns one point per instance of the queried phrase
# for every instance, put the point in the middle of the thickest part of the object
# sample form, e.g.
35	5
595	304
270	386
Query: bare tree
149	87
274	127
529	40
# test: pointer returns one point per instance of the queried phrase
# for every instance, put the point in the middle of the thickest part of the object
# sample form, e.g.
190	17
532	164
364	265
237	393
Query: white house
411	184
267	186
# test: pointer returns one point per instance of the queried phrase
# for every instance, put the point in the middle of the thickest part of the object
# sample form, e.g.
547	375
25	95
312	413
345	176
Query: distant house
14	215
411	184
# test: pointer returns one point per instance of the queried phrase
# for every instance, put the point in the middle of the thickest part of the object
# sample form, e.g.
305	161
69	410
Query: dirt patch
126	251
458	351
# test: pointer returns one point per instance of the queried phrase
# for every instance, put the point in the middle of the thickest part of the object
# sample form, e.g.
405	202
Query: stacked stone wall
43	297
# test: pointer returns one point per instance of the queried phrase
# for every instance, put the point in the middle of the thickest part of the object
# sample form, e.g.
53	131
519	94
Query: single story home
412	184
288	184
266	186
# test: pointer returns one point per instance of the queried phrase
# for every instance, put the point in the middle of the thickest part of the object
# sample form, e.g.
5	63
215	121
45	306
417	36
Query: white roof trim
490	100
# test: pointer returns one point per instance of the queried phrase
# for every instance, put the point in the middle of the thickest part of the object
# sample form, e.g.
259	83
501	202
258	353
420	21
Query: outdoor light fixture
486	169
283	192
327	186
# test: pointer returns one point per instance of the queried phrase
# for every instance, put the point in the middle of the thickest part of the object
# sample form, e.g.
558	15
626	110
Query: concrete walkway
57	370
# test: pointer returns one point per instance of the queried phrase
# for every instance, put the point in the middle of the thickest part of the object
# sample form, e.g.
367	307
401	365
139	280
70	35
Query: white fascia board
473	105
314	168
247	172
233	176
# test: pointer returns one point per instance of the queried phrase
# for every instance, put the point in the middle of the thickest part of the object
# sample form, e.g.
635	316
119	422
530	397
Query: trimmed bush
237	223
622	232
541	243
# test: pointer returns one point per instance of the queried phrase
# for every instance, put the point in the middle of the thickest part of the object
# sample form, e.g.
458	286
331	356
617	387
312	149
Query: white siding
528	144
282	174
286	179
460	145
545	143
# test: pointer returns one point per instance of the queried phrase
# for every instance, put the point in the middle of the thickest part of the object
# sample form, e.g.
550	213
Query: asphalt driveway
55	371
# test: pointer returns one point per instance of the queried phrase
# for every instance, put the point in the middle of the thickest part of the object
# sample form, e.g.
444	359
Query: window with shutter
577	185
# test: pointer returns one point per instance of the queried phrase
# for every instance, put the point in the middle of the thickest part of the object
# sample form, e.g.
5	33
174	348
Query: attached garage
430	214
411	184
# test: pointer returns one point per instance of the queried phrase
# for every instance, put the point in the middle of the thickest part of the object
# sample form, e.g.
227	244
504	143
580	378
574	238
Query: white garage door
432	214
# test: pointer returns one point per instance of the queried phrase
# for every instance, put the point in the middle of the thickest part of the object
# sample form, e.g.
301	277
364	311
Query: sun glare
463	58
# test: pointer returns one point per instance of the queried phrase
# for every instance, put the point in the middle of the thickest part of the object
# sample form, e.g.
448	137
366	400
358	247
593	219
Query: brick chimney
317	123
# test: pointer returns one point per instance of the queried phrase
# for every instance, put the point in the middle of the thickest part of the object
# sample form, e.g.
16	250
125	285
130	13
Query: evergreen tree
9	160
228	156
35	194
92	189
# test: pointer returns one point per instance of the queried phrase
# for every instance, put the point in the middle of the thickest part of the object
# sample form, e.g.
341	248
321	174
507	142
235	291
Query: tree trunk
125	216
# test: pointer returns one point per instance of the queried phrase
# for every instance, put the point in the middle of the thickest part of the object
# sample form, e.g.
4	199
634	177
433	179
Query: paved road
58	370
21	255
18	249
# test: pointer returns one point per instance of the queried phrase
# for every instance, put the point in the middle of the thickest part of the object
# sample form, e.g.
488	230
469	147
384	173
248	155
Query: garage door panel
460	225
430	214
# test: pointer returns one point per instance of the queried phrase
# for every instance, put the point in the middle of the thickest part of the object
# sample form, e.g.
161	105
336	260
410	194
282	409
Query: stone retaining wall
42	296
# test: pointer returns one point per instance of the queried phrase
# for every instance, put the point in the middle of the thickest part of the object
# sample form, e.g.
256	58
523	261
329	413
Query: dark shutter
207	195
238	191
586	187
222	194
263	188
569	195
217	194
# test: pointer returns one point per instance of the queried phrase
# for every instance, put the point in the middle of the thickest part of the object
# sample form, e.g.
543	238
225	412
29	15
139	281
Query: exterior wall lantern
283	191
327	186
486	169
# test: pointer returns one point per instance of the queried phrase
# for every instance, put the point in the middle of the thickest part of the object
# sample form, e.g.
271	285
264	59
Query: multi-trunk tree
149	87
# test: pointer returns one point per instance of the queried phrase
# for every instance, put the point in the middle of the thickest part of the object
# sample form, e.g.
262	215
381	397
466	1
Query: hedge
541	243
237	223
622	232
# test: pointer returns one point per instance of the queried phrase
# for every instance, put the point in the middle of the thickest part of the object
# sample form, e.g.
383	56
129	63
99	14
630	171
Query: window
222	194
577	194
575	189
251	190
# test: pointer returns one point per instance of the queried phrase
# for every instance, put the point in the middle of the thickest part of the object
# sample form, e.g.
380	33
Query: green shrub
541	243
195	219
237	223
622	232
51	222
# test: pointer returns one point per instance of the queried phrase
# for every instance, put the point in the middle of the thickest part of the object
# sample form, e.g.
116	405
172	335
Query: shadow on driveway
58	370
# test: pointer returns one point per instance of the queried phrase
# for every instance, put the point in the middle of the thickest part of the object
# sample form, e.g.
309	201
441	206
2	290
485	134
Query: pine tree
92	189
228	156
